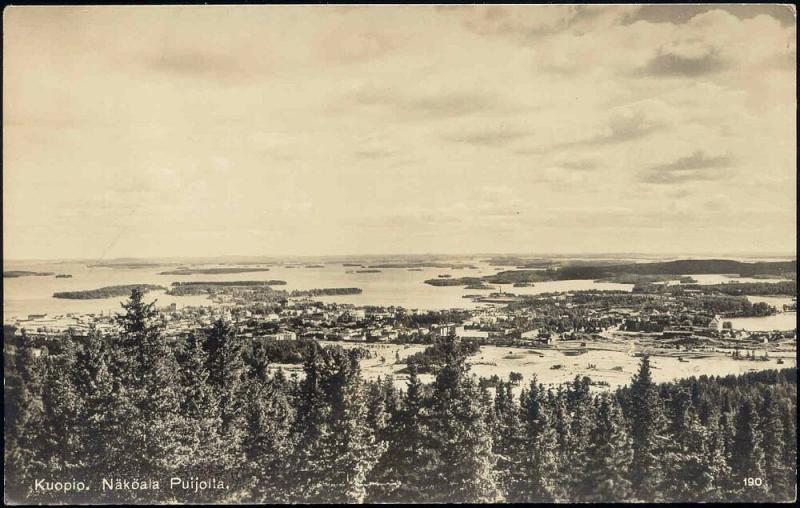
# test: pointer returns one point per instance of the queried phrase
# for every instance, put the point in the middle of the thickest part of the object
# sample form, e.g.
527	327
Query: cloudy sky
272	130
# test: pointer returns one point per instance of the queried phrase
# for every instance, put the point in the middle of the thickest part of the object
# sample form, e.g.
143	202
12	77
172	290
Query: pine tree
534	475
647	433
747	458
604	475
463	470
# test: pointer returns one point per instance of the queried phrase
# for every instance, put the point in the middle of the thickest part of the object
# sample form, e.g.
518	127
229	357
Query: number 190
753	482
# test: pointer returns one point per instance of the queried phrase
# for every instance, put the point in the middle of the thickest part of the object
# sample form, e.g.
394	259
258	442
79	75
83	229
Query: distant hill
681	267
11	274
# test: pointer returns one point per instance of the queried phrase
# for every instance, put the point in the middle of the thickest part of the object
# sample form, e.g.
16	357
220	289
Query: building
467	333
715	324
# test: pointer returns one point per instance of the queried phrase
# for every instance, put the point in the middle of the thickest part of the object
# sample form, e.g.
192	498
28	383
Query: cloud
488	137
430	104
204	64
530	22
695	167
667	63
683	13
629	123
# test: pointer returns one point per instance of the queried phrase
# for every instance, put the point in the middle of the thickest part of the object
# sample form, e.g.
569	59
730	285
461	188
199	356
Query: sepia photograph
399	254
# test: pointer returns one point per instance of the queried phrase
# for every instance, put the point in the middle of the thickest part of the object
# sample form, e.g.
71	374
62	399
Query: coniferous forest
136	417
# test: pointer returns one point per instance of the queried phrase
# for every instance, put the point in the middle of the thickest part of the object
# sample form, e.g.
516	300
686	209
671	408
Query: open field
613	361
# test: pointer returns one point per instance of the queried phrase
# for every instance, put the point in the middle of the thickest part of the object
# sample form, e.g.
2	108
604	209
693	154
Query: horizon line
707	255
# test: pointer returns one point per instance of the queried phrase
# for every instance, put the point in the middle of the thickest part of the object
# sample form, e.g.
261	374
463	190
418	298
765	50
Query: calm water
391	286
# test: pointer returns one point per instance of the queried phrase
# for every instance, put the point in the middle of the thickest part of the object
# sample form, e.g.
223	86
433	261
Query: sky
147	131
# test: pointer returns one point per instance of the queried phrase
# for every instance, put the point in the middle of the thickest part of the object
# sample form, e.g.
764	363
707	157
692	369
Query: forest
135	405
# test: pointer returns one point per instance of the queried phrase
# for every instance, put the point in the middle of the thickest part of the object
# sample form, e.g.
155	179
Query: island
199	288
125	266
423	265
212	271
106	292
12	274
637	273
459	281
479	286
636	278
325	292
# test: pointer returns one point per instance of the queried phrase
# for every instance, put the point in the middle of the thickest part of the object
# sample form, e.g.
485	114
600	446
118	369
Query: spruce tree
562	424
534	474
61	419
604	475
789	416
24	445
688	474
145	398
100	425
382	417
226	372
647	433
410	456
747	458
772	443
267	443
508	435
463	469
717	458
335	450
201	437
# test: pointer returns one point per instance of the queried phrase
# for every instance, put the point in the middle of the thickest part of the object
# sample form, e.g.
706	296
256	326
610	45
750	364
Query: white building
463	333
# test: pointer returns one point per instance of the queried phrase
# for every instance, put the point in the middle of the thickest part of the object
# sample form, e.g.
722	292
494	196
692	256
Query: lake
390	286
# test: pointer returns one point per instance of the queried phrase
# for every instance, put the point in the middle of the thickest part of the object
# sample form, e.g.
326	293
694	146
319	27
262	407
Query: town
688	318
